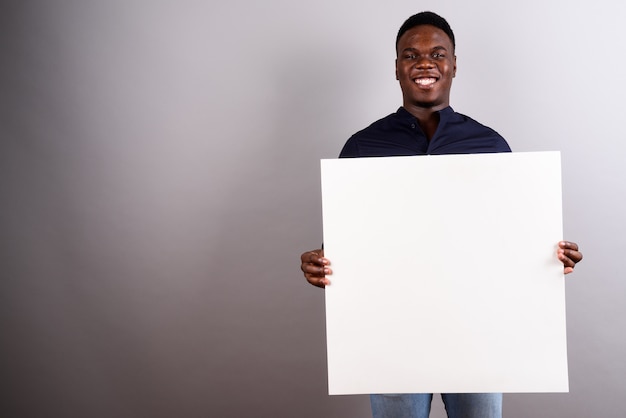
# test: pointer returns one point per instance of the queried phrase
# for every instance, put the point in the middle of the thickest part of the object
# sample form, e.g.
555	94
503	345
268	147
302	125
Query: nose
424	62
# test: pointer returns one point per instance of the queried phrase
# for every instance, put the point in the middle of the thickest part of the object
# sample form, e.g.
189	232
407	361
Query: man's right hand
315	267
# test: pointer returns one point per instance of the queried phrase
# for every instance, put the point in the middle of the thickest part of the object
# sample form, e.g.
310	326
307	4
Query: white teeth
425	81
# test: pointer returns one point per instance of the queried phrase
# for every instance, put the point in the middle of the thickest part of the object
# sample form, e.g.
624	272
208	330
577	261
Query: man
426	124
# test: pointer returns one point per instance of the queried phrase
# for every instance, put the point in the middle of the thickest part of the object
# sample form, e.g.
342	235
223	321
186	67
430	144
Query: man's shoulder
390	135
468	123
387	123
458	117
464	131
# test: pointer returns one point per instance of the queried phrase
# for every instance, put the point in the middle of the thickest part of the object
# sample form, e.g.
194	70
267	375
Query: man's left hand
569	255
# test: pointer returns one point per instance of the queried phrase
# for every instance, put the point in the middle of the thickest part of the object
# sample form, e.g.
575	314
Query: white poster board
445	276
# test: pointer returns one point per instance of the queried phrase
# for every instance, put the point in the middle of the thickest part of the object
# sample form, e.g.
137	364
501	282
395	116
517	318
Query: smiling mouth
425	82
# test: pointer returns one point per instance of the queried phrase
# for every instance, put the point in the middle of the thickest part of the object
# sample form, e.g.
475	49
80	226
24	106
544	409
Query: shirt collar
404	114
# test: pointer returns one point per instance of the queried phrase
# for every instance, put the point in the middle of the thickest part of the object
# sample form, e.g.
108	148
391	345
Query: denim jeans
417	405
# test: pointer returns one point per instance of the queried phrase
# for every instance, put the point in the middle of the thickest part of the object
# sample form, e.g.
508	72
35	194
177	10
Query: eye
410	56
438	55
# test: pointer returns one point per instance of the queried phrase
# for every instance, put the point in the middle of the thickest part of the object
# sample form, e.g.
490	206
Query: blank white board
445	276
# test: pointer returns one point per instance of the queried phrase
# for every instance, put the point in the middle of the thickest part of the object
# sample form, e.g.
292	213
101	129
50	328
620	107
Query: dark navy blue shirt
399	134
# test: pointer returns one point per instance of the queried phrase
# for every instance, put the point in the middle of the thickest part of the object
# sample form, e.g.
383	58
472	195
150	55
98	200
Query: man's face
425	67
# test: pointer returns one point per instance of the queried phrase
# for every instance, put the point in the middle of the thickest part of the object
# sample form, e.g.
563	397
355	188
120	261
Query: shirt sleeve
350	149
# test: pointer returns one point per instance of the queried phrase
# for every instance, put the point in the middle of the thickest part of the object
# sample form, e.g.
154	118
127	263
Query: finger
568	245
575	256
572	255
317	281
315	270
323	282
567	262
309	257
314	257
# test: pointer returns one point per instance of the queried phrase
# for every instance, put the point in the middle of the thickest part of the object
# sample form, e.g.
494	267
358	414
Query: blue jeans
417	405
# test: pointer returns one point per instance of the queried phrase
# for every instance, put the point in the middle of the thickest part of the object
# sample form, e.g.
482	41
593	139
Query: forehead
426	36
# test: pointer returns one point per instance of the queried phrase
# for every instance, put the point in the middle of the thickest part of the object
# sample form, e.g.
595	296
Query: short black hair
426	18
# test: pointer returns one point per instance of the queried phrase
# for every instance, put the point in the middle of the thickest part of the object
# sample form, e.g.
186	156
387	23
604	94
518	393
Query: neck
427	118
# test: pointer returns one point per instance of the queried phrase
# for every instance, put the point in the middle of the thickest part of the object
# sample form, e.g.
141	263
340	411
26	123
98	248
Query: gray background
159	173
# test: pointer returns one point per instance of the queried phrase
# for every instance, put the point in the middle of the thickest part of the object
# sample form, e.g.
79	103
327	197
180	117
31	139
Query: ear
398	78
454	70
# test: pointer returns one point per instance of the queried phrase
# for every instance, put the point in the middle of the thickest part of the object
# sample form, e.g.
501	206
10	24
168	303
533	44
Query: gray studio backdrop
159	174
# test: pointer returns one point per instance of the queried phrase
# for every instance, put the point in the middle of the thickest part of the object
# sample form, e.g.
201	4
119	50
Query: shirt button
412	126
